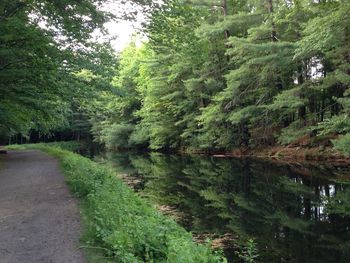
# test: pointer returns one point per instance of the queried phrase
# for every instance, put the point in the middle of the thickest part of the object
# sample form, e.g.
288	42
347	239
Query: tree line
224	74
45	47
227	74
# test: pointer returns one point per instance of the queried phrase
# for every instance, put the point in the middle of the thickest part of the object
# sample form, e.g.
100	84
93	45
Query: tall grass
118	221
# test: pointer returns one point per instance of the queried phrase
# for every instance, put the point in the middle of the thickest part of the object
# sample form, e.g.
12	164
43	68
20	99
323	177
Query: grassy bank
118	222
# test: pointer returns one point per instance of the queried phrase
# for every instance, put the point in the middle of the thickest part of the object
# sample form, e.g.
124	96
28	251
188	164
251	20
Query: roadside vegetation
119	224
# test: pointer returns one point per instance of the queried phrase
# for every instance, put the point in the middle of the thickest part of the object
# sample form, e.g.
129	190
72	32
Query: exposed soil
39	219
305	149
294	154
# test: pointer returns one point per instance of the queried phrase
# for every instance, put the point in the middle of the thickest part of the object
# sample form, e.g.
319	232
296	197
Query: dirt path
39	219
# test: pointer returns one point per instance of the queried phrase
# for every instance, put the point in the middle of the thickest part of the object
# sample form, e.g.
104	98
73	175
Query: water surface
295	213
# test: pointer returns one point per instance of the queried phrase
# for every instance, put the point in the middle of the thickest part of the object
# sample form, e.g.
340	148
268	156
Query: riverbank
300	153
120	225
284	208
287	154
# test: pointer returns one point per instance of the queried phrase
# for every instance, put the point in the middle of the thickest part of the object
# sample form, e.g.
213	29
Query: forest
209	79
211	76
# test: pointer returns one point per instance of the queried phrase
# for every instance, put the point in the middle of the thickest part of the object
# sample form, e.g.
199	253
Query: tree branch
12	12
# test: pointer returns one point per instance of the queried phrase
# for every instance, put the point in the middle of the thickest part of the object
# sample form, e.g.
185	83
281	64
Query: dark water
294	213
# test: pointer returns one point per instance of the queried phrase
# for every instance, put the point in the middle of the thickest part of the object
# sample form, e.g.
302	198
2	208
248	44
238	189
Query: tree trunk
273	25
225	13
302	109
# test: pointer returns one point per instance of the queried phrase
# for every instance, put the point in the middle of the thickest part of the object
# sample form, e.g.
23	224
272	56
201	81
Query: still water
295	213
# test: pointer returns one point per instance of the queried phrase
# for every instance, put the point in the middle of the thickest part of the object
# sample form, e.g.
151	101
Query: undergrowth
118	222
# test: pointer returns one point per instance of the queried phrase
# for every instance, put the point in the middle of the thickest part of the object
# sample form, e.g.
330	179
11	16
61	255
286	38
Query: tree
42	43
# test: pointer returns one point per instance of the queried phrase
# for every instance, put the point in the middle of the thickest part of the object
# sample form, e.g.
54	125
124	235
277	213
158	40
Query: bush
343	144
336	124
117	136
292	133
139	137
121	223
249	252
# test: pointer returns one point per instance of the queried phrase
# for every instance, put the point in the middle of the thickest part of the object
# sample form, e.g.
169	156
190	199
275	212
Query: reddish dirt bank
293	153
304	149
289	154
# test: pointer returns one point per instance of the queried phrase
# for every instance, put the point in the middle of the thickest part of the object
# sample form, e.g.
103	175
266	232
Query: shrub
343	144
336	124
291	133
139	137
249	252
117	136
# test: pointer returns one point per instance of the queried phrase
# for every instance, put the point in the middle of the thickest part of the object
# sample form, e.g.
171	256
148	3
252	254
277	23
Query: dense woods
212	75
44	46
201	76
229	74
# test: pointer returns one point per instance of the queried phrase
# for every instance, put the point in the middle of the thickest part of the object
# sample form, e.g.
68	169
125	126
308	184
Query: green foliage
117	136
288	101
210	76
113	112
139	137
343	144
340	204
209	79
120	222
72	146
292	133
249	253
42	45
336	124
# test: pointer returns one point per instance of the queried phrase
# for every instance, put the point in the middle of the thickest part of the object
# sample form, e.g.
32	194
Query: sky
122	30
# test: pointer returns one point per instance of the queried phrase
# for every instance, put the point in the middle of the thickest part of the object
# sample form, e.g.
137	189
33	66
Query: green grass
71	146
118	223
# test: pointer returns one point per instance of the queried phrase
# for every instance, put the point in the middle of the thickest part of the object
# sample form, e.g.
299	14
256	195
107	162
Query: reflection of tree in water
295	214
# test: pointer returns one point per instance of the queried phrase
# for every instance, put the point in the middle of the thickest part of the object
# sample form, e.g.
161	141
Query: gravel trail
39	218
